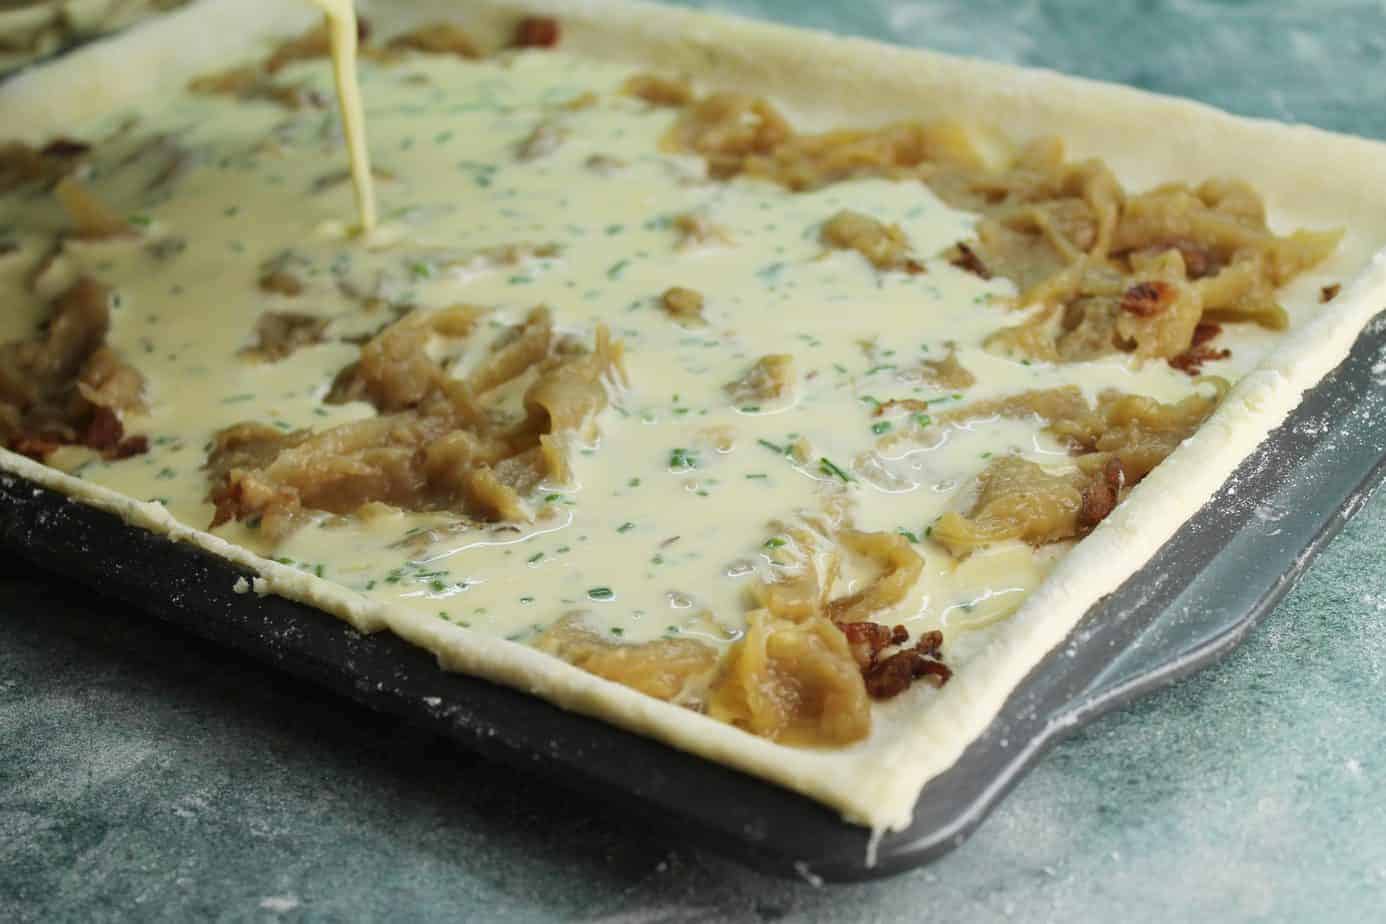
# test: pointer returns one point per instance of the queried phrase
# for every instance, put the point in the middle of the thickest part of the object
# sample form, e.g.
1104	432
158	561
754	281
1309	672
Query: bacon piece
890	676
894	675
34	447
104	430
1147	299
1205	331
106	434
868	639
65	148
1191	360
930	644
536	32
967	260
136	445
1100	497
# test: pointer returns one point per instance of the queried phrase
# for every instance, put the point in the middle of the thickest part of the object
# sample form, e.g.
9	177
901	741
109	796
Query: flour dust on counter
592	383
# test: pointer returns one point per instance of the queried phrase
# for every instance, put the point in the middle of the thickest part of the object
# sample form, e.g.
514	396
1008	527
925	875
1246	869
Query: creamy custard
341	26
676	509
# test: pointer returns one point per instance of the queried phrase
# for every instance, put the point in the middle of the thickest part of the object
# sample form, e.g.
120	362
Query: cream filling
674	513
341	24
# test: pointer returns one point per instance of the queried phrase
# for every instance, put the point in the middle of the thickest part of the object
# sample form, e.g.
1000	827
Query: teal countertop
147	776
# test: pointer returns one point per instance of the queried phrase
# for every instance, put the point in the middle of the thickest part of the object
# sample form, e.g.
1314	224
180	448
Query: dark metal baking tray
1199	596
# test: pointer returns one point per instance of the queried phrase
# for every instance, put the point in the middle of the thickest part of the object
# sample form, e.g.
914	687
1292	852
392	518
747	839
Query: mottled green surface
146	776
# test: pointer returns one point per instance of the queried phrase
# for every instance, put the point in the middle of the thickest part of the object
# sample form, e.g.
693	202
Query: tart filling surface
767	423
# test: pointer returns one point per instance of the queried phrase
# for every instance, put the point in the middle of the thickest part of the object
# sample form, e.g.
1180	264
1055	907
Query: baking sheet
1193	602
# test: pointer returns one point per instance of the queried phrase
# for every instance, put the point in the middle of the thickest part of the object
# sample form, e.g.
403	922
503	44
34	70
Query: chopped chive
774	542
601	593
625	527
827	467
881	426
683	459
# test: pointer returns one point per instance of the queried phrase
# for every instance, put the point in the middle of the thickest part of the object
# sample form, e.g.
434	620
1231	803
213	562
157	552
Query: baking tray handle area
1249	547
1190	604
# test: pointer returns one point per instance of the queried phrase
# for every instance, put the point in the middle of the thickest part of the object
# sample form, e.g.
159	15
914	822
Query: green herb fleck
601	593
827	467
683	459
